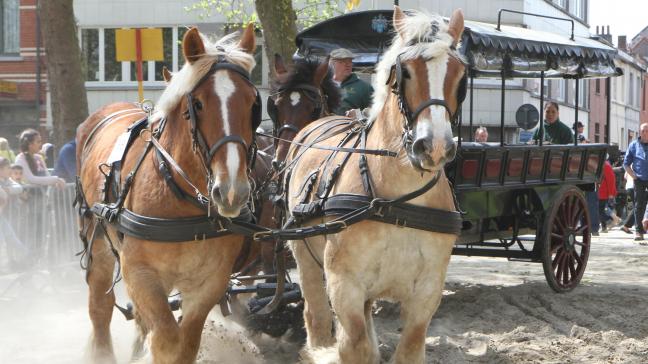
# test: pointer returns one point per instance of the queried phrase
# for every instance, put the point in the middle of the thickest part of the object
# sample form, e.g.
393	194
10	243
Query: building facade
23	76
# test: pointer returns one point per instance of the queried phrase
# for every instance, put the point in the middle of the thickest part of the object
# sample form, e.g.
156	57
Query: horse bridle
313	93
198	140
411	116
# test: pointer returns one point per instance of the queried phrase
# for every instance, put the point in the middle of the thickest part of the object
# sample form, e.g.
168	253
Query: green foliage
308	12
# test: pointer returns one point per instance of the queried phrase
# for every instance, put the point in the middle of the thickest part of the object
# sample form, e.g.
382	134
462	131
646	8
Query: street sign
139	45
151	40
8	89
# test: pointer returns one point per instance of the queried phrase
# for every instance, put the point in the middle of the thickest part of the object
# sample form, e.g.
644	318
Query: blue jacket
66	162
637	157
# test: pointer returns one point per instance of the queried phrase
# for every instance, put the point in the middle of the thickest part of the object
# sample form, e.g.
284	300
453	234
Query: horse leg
100	303
356	342
139	351
196	305
318	317
149	297
415	317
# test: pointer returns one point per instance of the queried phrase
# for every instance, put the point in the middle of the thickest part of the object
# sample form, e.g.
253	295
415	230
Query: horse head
301	93
423	78
219	107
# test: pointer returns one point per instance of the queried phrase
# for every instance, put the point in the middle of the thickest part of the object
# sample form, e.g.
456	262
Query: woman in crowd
5	151
34	168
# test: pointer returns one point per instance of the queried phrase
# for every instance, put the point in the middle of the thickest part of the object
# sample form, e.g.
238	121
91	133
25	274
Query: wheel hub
570	240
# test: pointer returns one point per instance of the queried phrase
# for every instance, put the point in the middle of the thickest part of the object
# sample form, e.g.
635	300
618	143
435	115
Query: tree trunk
65	77
279	29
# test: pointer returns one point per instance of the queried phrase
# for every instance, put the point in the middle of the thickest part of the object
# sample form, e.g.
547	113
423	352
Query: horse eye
406	73
198	105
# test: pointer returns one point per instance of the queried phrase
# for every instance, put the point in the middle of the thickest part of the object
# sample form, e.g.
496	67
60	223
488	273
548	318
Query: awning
518	51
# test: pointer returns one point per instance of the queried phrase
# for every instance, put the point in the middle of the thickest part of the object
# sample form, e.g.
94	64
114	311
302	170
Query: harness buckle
336	224
262	235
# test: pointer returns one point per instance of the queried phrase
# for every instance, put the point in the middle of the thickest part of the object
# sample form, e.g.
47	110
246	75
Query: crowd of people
33	164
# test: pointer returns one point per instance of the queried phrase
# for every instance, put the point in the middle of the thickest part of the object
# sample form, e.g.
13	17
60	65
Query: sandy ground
493	311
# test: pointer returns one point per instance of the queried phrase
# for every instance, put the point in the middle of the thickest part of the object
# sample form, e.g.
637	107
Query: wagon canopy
519	52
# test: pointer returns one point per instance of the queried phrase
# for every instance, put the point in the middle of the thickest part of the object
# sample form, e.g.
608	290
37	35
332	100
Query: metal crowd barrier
45	221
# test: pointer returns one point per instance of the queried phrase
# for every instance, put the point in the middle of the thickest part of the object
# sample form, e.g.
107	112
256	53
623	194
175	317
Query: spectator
580	132
481	135
34	168
6	152
606	192
16	250
636	165
555	131
630	219
17	174
47	150
356	93
66	162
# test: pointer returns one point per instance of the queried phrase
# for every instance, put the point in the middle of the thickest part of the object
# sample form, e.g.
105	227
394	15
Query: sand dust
493	311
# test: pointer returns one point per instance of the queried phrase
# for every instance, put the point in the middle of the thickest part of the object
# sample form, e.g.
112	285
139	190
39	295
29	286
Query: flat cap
341	53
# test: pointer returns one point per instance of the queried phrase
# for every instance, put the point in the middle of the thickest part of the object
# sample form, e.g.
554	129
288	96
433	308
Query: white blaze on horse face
435	125
295	97
225	88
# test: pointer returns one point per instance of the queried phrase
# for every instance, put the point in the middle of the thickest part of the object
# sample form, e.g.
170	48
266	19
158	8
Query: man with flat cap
356	93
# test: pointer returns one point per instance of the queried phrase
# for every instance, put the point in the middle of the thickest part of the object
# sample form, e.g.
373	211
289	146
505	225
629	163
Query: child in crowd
17	174
16	250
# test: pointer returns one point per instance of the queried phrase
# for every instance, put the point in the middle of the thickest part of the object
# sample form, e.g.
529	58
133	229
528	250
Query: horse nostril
421	146
275	164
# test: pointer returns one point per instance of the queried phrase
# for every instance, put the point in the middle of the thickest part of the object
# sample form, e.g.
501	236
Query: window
597	133
561	3
577	8
9	27
557	90
598	86
90	53
583	91
112	68
643	96
631	97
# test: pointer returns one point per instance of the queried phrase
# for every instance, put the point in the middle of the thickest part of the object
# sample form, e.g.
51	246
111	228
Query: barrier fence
45	221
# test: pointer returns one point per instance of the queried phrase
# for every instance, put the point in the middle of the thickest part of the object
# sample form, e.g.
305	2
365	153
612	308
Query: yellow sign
8	88
151	43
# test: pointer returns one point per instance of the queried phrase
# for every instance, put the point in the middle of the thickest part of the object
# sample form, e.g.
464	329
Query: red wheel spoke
572	265
565	264
578	259
557	263
555	248
577	216
581	230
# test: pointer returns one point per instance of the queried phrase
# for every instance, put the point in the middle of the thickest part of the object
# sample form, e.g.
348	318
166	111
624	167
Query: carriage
518	201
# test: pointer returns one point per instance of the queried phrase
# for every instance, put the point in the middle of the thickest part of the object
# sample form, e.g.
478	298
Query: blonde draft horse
199	269
373	260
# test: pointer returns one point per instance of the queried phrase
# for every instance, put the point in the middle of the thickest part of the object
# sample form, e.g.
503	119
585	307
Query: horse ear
321	71
166	74
192	46
399	18
280	66
456	26
248	39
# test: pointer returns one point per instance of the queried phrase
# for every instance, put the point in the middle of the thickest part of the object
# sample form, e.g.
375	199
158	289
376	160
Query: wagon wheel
566	240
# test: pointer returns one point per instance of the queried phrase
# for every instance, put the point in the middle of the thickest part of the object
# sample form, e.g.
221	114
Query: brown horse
301	93
207	111
417	93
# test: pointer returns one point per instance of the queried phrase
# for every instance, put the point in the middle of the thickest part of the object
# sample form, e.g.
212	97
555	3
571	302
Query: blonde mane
418	29
186	79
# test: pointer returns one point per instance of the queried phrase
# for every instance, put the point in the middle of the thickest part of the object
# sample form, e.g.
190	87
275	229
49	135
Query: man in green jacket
555	131
356	93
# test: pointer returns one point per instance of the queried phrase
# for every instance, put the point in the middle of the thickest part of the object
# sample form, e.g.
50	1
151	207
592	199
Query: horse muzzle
230	198
430	154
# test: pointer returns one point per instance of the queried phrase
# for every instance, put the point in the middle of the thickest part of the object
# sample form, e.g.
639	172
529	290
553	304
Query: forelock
187	78
423	35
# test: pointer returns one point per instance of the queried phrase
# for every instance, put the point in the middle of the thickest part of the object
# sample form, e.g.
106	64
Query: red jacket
607	188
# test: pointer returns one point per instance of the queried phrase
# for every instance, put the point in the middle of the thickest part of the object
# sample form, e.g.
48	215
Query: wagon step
262	290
